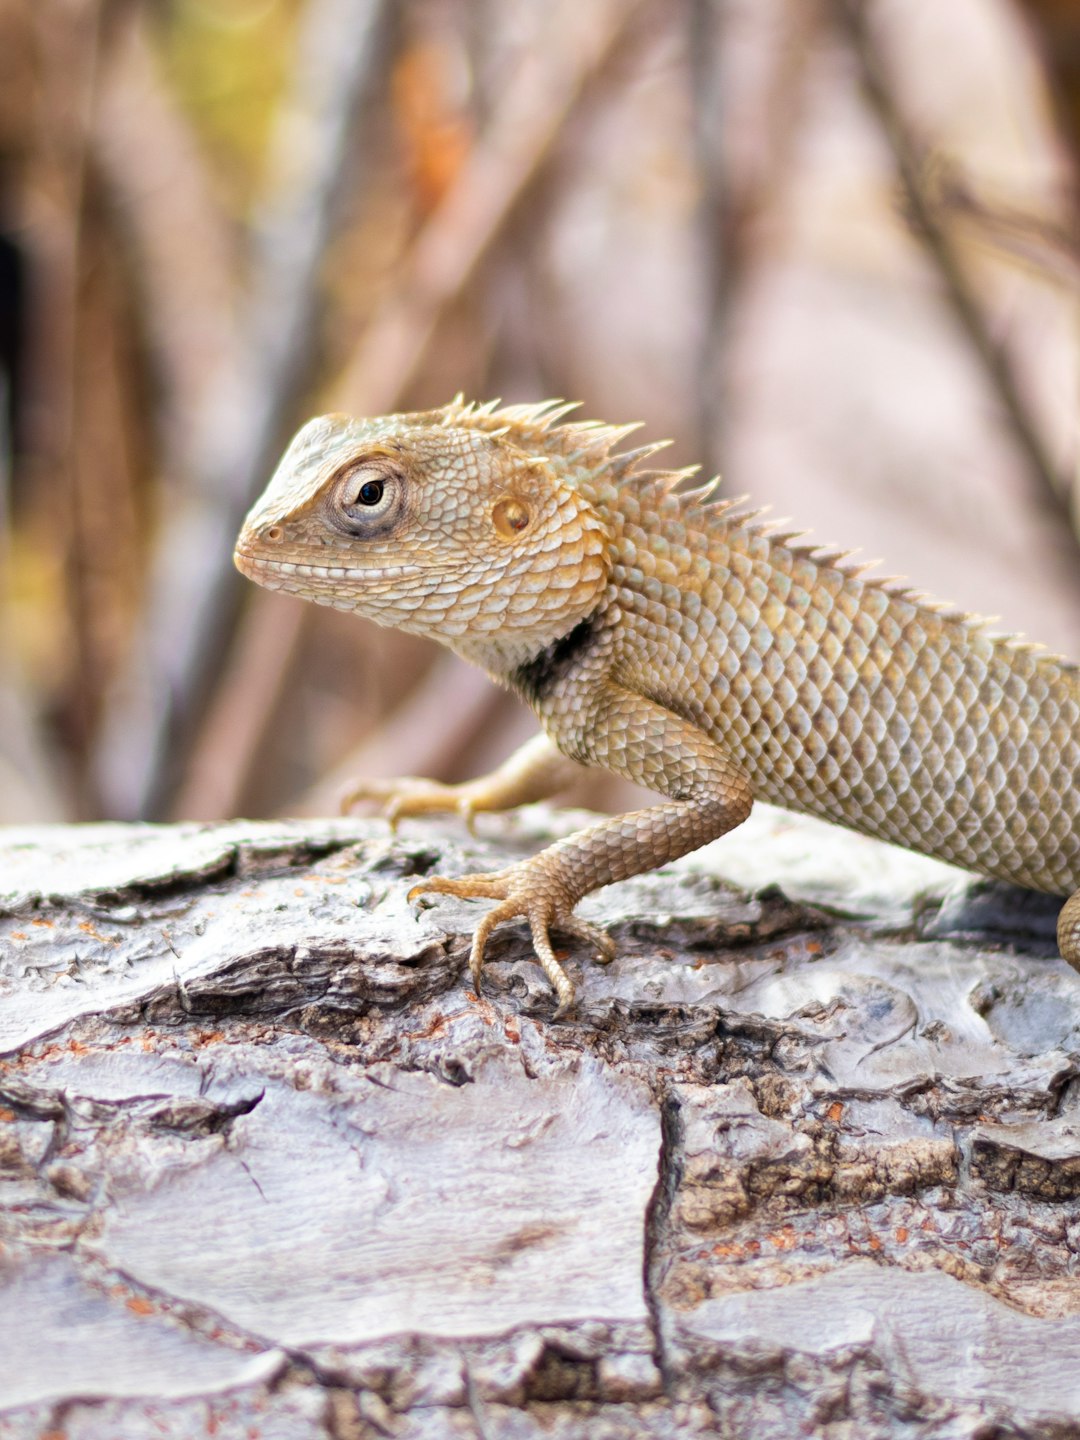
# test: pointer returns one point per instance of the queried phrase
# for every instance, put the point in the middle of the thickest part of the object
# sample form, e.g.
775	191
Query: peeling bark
806	1160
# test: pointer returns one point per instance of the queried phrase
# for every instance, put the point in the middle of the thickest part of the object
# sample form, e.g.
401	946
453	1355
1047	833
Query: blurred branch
718	222
739	179
523	129
68	44
1055	28
31	785
178	239
235	721
1043	246
442	713
524	126
1053	489
195	593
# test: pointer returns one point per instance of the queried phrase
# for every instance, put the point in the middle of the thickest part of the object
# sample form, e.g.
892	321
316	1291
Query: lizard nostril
273	532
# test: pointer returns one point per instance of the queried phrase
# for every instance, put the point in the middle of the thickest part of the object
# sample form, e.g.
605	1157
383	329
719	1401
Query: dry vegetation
830	247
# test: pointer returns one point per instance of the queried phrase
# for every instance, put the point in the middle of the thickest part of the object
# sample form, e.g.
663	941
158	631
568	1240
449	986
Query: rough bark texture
269	1169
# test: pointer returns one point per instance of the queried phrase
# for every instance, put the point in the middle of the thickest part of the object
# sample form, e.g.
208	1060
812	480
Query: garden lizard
679	640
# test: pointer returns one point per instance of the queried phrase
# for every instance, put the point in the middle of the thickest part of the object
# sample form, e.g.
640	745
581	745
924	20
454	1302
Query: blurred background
828	246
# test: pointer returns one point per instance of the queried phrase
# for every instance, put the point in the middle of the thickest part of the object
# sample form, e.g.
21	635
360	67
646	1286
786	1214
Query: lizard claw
536	895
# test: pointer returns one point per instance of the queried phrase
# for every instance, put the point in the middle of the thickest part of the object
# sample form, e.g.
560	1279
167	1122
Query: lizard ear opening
511	517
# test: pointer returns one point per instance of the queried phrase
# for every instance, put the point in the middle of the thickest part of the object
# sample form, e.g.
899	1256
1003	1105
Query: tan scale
678	641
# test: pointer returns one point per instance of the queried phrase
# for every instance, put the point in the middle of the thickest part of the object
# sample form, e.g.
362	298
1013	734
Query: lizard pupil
371	492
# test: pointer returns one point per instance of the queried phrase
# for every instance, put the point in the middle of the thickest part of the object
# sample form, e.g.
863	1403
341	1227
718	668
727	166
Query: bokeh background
828	246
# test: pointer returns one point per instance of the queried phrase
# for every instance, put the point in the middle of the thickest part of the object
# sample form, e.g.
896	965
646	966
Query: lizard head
431	526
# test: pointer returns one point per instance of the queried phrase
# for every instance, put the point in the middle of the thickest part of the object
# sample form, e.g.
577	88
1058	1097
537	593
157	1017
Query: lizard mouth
292	574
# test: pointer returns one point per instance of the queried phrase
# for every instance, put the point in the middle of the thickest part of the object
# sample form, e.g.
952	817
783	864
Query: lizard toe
466	887
506	911
540	921
592	935
547	905
407	795
381	791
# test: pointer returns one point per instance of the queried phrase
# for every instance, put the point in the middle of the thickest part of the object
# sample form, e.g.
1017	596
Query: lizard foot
410	795
535	893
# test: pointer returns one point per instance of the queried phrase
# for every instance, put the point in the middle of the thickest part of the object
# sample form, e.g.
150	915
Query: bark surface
806	1160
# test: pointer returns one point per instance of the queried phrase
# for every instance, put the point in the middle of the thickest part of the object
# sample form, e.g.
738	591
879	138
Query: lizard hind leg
1068	931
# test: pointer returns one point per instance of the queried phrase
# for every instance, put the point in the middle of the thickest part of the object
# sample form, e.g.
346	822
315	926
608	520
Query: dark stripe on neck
536	679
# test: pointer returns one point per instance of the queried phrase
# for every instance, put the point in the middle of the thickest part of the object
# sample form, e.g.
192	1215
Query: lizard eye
367	498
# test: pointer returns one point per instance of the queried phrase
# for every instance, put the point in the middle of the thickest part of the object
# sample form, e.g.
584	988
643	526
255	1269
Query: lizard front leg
642	741
535	771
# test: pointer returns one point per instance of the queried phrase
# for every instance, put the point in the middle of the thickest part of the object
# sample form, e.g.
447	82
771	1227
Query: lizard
678	639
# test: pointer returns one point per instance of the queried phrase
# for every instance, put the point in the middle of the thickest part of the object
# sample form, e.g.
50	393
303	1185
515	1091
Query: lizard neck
533	662
549	667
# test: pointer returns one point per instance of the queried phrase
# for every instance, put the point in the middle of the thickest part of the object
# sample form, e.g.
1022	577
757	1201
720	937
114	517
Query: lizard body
678	641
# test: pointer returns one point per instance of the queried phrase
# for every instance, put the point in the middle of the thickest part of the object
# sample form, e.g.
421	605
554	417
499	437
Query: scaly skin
678	642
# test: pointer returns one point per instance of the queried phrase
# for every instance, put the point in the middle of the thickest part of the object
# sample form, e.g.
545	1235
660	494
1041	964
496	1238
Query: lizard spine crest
589	447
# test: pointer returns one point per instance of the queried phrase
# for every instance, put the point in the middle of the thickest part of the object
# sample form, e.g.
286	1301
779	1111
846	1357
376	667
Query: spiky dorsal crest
536	427
593	443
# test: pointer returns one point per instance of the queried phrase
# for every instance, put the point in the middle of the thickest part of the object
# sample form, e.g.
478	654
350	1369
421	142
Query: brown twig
1052	488
525	124
178	242
69	47
195	595
737	192
437	719
523	130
